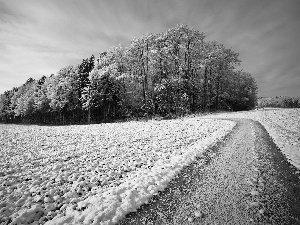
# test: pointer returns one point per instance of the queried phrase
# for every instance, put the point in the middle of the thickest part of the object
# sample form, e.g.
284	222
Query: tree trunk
218	86
89	115
210	87
105	112
108	112
60	117
204	102
217	97
73	115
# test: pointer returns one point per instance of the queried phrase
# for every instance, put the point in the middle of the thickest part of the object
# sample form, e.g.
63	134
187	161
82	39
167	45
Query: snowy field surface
95	174
283	125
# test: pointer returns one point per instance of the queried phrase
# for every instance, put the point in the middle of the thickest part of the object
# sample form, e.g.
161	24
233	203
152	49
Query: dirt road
244	179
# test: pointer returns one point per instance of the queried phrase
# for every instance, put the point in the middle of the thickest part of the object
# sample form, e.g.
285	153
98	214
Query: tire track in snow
244	180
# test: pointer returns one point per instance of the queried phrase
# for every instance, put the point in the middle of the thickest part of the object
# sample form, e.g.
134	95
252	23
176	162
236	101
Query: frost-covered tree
171	73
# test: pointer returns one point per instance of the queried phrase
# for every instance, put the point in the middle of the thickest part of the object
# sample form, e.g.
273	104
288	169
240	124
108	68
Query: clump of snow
254	193
190	219
28	216
198	214
95	174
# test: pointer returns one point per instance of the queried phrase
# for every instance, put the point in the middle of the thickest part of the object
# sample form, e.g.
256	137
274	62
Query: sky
39	37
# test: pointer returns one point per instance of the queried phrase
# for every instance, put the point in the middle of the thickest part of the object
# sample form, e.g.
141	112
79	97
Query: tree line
167	74
279	102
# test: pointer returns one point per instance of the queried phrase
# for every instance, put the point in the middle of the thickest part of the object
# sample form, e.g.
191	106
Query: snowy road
244	180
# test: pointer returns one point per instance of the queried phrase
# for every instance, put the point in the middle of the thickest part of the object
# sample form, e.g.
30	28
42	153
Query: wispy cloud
40	37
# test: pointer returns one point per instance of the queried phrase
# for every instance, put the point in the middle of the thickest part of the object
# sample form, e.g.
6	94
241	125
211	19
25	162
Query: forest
169	74
279	102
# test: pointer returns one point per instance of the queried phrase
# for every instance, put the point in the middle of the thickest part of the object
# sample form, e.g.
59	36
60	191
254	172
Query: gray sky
38	37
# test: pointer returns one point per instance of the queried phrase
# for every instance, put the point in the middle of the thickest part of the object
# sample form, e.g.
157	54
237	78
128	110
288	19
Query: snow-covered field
283	125
94	174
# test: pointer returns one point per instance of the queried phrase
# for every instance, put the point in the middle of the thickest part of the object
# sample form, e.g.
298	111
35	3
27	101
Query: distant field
80	174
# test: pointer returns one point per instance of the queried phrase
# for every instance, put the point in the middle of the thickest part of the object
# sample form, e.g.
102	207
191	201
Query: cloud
40	37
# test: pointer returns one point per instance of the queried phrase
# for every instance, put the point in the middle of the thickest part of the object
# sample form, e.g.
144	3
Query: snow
190	219
94	174
283	125
198	214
